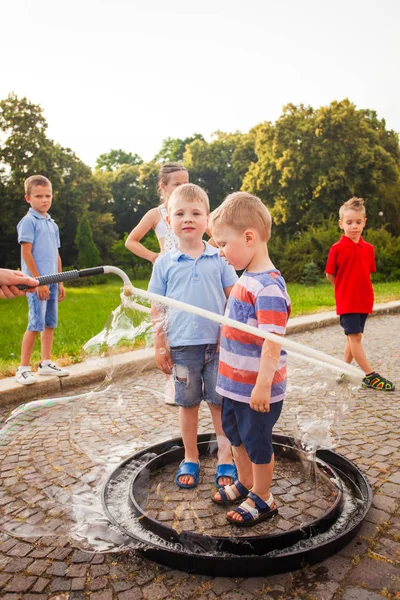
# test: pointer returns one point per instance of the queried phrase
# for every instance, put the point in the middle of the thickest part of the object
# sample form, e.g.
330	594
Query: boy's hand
61	292
260	397
43	292
164	360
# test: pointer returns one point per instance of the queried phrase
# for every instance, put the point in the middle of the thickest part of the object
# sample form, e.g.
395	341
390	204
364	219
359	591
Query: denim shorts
353	322
195	372
43	313
243	425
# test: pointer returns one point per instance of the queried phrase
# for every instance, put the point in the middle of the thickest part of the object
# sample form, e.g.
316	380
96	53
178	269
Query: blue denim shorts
353	322
195	374
243	425
43	313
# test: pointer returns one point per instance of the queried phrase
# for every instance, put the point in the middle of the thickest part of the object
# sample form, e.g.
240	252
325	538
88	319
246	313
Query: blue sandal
228	496
225	470
251	516
188	468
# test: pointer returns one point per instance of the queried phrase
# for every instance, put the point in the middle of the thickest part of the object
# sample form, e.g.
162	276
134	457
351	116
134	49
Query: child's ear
168	220
27	199
249	236
340	224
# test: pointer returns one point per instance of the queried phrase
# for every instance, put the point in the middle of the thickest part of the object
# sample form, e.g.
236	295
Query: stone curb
86	373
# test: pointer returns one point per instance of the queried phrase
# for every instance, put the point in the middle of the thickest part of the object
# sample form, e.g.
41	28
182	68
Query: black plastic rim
254	544
239	561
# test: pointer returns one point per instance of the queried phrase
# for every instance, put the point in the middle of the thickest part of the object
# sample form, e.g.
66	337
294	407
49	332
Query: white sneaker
169	392
25	376
52	369
342	378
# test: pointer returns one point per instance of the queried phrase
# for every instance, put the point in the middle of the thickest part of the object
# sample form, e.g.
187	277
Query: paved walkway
56	456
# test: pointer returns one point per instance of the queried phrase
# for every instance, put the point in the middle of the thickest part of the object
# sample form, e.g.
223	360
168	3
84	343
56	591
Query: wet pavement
55	456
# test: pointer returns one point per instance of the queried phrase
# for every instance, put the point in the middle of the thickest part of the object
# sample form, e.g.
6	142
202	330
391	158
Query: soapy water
56	454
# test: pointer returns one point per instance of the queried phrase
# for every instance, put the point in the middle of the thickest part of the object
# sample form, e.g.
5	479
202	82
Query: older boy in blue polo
40	240
187	347
349	266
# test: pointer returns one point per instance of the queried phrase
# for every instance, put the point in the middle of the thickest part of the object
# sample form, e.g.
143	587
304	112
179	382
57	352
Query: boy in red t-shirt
349	266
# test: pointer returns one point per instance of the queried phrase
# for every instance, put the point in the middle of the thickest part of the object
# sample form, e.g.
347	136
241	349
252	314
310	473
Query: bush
134	266
311	274
311	246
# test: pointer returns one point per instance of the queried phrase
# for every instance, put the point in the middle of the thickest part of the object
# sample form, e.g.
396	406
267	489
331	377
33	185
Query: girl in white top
170	176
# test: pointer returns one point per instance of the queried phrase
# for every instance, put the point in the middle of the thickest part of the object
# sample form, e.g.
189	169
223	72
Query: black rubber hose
65	276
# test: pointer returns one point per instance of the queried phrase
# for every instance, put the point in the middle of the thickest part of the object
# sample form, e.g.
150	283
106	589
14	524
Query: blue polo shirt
199	282
42	232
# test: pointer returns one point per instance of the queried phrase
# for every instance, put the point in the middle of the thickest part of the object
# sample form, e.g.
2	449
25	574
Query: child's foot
230	494
52	369
226	474
187	475
252	511
24	376
376	382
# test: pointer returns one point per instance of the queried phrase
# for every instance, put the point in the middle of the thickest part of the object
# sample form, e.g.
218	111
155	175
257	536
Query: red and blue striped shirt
260	300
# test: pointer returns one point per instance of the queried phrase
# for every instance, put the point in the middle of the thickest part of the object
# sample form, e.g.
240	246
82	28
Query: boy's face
237	247
40	198
188	220
174	180
353	223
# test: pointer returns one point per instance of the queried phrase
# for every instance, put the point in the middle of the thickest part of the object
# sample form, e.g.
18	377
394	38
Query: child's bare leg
224	447
244	469
46	341
348	357
188	421
262	475
358	352
28	343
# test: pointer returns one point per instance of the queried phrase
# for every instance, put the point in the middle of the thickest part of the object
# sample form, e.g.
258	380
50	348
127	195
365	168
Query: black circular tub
321	508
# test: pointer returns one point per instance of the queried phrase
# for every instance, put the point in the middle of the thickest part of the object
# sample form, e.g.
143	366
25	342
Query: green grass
82	315
320	298
86	309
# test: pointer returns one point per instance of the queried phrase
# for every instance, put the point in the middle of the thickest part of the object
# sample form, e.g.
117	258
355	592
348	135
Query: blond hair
165	172
190	193
242	211
35	180
352	204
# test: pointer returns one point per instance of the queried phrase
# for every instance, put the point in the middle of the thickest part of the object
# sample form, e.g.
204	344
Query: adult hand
10	279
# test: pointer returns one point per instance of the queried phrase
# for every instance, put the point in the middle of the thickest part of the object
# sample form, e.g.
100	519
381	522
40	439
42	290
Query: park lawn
86	309
82	315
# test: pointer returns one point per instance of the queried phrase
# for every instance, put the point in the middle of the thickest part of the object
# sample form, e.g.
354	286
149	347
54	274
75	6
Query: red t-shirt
352	265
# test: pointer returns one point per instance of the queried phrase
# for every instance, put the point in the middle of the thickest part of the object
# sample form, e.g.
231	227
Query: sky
128	74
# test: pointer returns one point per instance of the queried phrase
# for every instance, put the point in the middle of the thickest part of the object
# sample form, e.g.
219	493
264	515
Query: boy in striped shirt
252	370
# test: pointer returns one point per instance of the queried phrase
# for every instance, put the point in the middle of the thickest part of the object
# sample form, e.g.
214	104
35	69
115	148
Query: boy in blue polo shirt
39	238
193	273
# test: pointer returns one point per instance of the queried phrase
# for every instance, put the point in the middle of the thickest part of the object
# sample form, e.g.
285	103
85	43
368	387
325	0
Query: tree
25	151
133	192
114	159
173	149
311	161
219	166
88	253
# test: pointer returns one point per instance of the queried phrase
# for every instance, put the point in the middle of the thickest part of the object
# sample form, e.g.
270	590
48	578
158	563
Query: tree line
303	167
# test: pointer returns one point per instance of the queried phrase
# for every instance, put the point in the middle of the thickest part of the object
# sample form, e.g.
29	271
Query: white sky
126	74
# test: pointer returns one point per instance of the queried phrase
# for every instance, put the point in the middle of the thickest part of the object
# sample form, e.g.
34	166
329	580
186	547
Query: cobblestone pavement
46	455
